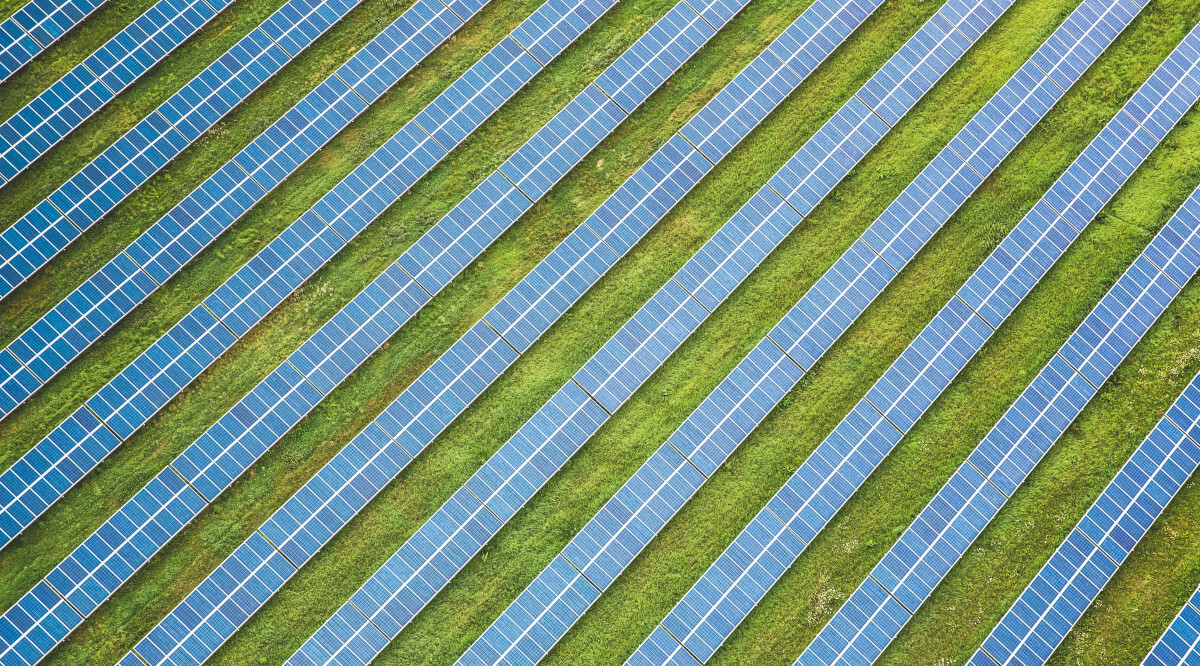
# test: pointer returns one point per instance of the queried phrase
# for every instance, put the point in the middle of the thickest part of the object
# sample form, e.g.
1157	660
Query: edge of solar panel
104	74
729	439
37	25
975	493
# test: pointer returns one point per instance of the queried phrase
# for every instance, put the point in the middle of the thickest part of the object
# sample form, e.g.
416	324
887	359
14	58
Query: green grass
811	591
75	516
120	114
65	392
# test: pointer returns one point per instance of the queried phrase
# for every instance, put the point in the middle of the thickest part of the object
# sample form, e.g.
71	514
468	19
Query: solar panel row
221	603
1081	566
90	310
102	76
1180	643
127	540
434	554
36	26
548	32
739	579
162	371
124	166
945	528
544	612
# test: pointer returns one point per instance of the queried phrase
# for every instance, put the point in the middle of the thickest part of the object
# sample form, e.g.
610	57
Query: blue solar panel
508	479
162	371
36	26
1180	643
163	249
103	75
942	532
410	422
613	538
128	163
813	494
1081	566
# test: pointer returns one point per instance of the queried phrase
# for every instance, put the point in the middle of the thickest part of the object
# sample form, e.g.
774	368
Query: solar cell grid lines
36	26
310	528
85	601
941	533
1180	643
160	373
102	76
775	537
1081	566
287	394
419	418
89	311
551	604
124	166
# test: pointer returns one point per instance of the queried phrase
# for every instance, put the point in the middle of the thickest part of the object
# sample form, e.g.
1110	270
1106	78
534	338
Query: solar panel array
286	395
461	375
129	278
371	459
945	528
1081	566
211	328
548	607
127	540
124	166
671	42
36	26
1180	644
739	579
102	76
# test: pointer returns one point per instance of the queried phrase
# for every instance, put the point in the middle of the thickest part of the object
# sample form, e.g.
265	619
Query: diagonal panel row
550	605
124	166
1085	561
160	373
733	585
34	27
1180	643
975	493
347	482
161	251
82	91
428	560
228	448
281	400
135	533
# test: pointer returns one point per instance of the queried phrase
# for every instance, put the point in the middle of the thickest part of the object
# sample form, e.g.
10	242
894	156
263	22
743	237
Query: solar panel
759	555
35	26
124	166
610	541
282	399
76	446
491	483
1180	644
910	570
82	91
322	507
166	367
1085	561
195	222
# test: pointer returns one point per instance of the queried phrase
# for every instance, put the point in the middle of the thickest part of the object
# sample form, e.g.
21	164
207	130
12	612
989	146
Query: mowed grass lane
25	305
996	569
807	597
301	454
